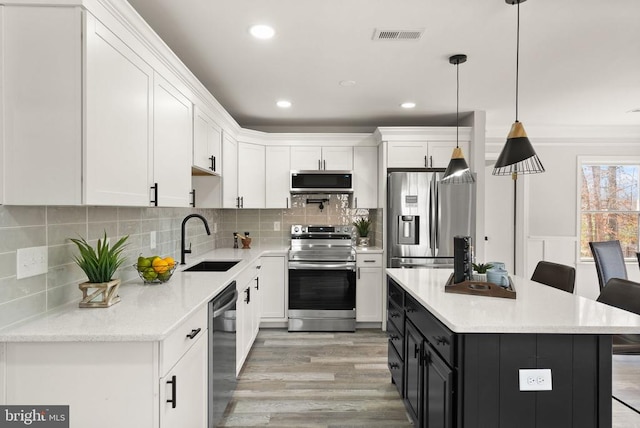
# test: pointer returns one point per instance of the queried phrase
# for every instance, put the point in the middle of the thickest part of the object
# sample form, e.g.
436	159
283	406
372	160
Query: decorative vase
479	277
363	241
104	295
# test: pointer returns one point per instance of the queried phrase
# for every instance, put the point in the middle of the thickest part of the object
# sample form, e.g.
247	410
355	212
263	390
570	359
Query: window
609	205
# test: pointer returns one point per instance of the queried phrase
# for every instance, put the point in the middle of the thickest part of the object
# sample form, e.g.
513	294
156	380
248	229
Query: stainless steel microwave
321	181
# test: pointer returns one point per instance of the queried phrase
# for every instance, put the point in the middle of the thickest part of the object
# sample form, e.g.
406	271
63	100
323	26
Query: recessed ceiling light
408	105
347	83
262	31
283	104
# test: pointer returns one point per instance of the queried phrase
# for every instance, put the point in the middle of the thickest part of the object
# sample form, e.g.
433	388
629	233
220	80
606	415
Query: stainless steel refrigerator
423	217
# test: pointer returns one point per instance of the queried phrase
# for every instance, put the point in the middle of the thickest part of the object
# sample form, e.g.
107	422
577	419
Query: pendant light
518	155
457	171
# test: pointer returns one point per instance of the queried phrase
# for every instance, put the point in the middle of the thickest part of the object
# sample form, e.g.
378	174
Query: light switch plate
152	239
276	226
31	261
535	379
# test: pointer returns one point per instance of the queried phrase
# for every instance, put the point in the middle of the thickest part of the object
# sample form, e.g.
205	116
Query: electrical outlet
215	227
535	379
31	262
152	239
276	226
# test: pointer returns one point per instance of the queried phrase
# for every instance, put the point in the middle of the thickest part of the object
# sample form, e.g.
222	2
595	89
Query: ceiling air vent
399	35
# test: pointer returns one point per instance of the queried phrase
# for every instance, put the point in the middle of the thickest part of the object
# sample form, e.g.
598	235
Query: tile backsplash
51	226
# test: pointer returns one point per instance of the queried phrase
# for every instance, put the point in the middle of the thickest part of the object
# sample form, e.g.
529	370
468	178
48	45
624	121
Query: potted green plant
480	271
100	264
363	227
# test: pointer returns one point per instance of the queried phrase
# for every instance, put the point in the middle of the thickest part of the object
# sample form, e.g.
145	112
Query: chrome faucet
184	250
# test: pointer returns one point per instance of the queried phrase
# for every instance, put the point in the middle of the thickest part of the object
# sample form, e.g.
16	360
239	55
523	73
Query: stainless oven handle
322	266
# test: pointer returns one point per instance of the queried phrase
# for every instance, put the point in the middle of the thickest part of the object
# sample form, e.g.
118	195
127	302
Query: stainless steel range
322	278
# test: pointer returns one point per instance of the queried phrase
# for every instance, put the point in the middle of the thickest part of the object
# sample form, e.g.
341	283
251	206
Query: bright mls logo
34	416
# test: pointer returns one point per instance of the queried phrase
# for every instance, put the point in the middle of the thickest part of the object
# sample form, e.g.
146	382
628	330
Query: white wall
549	201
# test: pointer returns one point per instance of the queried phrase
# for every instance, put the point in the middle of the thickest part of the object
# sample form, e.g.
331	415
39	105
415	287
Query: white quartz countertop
146	312
537	308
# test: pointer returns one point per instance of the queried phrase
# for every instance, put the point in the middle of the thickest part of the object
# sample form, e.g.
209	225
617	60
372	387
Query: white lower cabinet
117	384
247	312
183	398
273	283
369	288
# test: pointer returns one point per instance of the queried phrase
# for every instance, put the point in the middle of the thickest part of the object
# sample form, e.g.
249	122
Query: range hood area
321	181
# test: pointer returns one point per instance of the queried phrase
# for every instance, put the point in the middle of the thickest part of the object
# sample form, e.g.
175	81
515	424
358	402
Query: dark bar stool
609	261
555	275
623	294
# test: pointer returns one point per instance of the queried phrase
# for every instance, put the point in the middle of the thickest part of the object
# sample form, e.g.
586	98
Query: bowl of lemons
155	269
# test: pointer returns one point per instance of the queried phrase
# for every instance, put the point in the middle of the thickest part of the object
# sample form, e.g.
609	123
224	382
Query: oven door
322	296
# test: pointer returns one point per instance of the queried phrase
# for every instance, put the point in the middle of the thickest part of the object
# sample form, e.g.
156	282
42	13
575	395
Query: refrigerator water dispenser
408	230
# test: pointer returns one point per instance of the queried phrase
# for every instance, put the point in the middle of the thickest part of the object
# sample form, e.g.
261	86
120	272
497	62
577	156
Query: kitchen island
142	362
457	359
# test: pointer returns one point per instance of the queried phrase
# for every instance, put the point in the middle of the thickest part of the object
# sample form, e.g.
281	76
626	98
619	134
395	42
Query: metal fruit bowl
150	276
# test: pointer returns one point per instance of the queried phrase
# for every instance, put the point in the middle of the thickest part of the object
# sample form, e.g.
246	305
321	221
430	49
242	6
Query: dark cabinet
438	399
471	380
429	382
421	360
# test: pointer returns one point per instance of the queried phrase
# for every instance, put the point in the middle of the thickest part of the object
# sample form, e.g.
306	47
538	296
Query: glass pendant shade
458	171
518	155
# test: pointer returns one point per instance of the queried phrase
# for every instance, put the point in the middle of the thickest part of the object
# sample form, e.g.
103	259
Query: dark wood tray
478	288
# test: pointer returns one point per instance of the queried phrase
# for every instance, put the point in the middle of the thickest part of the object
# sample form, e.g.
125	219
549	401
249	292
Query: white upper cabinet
172	144
422	154
91	122
119	120
365	177
207	143
230	197
408	154
251	178
305	158
277	176
59	150
440	152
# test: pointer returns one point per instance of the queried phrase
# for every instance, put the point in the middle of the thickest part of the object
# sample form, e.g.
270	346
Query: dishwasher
222	352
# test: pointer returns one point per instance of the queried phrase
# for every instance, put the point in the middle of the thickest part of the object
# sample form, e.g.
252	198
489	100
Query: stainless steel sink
213	266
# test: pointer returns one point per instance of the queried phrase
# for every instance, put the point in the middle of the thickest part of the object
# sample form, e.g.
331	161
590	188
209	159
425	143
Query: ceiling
579	60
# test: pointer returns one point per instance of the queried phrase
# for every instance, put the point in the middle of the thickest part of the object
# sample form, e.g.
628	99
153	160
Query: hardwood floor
317	380
334	380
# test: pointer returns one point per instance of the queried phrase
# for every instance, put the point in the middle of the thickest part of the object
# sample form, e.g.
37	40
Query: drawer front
369	260
182	338
395	315
396	367
395	293
396	338
437	334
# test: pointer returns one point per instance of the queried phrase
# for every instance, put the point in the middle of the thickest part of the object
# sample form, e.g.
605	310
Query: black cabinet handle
393	366
425	161
154	201
173	383
257	283
193	197
394	337
247	298
194	333
213	163
441	340
394	315
416	350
